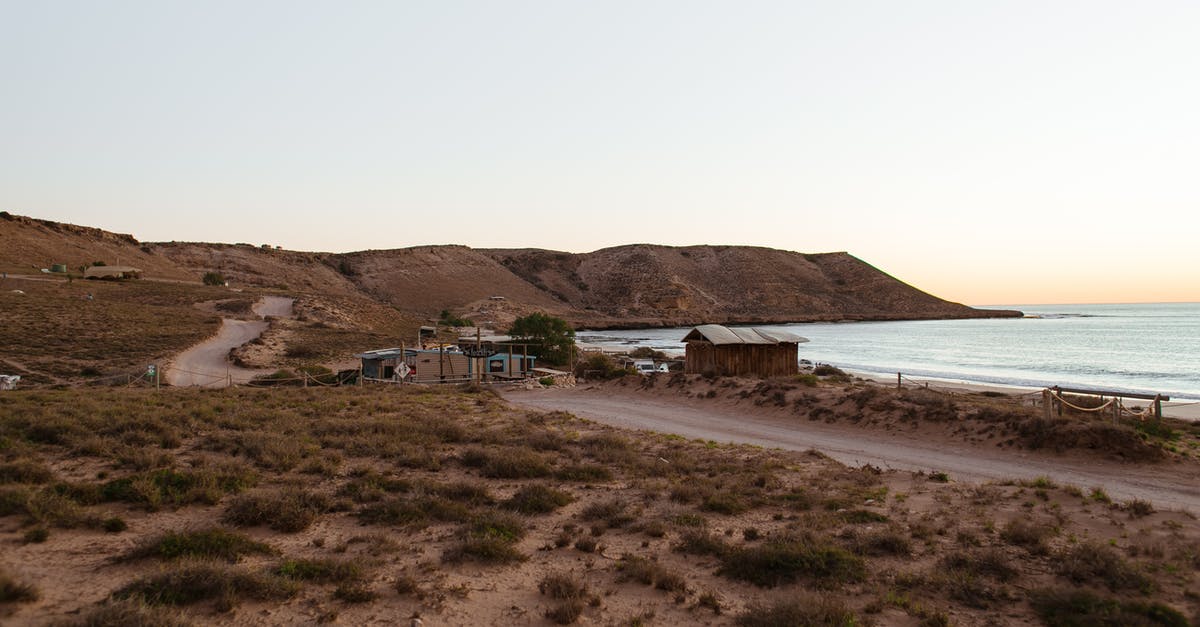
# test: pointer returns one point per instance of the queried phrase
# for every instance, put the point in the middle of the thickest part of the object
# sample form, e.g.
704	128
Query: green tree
553	338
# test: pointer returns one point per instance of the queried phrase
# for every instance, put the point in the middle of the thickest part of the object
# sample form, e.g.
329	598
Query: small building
742	351
442	366
381	364
112	272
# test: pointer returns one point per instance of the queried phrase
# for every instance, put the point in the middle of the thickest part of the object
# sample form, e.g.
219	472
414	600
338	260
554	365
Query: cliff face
625	286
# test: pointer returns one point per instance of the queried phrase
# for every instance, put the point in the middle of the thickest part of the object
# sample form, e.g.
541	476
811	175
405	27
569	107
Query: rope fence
1051	397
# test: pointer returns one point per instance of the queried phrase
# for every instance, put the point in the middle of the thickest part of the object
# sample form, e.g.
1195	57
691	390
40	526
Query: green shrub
489	538
1092	562
792	558
1083	608
201	581
584	473
25	471
862	516
807	379
537	499
319	570
213	278
208	544
288	510
114	524
507	463
826	370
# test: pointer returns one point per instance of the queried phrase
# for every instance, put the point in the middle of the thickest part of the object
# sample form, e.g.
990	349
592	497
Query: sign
482	351
150	370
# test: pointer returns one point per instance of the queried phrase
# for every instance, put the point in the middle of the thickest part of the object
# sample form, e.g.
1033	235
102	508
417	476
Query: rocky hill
625	286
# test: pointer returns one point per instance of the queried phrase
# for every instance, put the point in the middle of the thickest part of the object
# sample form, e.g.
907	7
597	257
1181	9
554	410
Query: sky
987	152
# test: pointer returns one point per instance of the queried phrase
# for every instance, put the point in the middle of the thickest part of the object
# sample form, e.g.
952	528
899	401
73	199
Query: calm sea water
1152	348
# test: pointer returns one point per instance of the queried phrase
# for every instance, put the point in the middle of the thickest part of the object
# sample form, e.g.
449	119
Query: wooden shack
715	349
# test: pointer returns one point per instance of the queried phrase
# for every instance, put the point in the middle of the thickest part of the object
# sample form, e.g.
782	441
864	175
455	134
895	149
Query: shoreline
1183	410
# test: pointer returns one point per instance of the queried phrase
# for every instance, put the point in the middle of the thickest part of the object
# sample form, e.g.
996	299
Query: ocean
1146	348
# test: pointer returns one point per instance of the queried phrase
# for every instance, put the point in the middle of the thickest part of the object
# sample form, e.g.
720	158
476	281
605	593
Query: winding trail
207	363
1167	485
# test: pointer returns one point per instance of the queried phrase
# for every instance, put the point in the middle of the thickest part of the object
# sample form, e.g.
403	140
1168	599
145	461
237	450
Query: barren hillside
625	286
647	285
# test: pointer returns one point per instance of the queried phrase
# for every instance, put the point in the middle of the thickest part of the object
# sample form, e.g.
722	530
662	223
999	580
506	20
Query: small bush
806	611
562	586
201	581
489	538
862	517
614	513
486	549
114	525
25	471
1083	608
13	591
36	535
991	563
650	573
537	499
405	584
208	544
788	559
288	510
1091	563
826	370
1030	535
584	473
129	614
213	278
700	542
354	592
1138	508
884	542
511	463
566	612
725	502
807	379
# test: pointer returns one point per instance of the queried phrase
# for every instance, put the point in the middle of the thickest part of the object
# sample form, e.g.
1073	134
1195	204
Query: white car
644	366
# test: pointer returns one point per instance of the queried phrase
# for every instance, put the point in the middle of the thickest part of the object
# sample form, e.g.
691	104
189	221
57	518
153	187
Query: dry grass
57	335
504	495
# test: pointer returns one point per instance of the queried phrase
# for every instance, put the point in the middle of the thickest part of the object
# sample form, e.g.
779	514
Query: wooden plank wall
762	360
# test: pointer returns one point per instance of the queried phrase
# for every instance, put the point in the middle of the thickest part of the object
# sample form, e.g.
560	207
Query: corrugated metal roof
719	335
382	353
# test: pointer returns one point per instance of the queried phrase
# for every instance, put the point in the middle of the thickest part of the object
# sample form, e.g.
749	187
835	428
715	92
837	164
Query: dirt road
1166	485
207	363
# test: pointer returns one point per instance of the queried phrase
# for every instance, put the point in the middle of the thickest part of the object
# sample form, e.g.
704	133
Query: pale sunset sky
987	152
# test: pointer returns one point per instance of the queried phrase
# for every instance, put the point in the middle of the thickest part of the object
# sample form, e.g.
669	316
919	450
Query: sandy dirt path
1166	485
207	363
